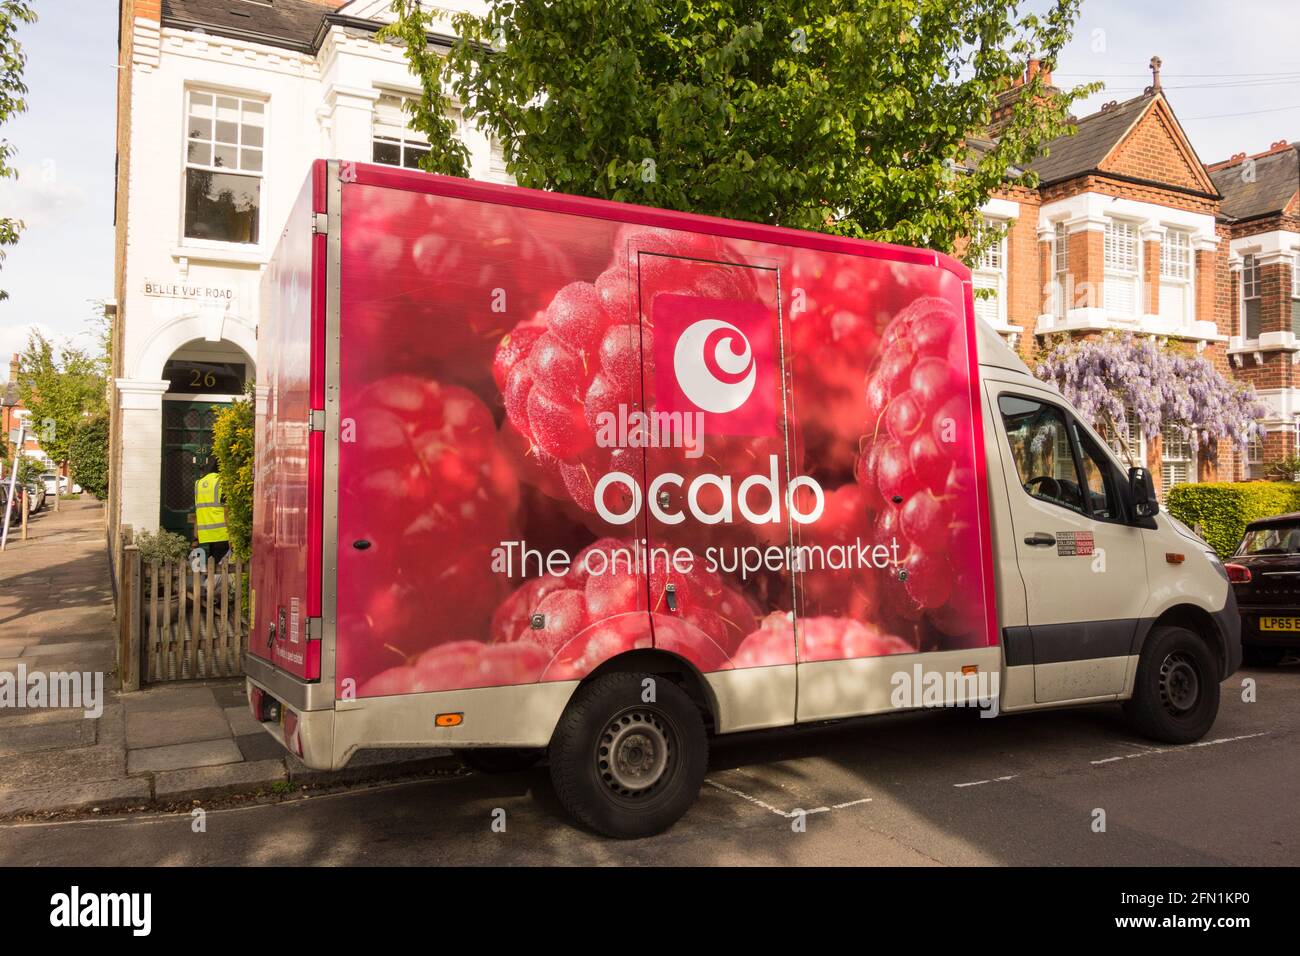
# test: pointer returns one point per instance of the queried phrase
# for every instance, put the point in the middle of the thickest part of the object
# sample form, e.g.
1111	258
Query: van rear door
288	482
713	364
1082	564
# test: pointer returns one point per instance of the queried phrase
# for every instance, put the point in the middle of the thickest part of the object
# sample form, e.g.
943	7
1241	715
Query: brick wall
129	11
1024	291
1152	151
1151	276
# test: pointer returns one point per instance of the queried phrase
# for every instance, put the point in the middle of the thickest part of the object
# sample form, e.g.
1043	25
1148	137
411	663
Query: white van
540	476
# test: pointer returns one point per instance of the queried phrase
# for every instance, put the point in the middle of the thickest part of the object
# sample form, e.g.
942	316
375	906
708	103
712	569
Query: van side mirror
1143	493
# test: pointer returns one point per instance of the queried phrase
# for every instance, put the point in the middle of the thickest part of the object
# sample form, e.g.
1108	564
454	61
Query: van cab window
1043	453
1098	478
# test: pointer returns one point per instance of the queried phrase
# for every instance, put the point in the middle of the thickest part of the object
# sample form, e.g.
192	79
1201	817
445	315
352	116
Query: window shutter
987	308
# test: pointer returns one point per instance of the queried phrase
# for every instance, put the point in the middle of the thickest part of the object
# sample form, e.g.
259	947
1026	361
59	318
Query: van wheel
624	767
1176	693
499	759
1262	656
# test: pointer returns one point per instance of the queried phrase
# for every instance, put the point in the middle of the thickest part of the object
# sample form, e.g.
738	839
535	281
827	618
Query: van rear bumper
307	734
301	695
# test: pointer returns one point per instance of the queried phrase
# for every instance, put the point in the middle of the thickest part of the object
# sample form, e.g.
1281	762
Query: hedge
88	456
233	446
1223	509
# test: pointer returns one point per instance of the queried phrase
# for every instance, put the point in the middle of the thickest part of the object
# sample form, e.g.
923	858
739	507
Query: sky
1231	71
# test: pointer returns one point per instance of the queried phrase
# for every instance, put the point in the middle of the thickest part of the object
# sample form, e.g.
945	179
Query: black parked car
1265	574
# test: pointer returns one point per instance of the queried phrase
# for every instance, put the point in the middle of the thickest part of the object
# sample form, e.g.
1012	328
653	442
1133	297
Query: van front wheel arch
1176	692
627	763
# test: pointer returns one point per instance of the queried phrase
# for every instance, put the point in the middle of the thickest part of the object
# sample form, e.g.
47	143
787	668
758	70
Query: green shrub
233	446
1223	509
88	456
162	545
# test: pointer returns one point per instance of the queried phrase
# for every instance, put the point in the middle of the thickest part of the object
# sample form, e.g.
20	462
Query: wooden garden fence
184	623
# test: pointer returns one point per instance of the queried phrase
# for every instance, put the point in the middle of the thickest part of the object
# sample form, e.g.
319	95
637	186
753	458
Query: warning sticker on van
1071	544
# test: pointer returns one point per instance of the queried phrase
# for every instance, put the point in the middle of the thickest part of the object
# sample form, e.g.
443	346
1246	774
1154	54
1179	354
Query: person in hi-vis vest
210	513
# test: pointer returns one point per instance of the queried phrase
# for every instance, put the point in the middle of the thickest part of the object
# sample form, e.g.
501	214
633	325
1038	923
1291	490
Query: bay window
225	140
1121	264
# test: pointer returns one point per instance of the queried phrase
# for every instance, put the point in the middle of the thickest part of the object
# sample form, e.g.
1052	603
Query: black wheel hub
1180	683
635	753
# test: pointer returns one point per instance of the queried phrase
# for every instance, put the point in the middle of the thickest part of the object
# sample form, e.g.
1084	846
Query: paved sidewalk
167	743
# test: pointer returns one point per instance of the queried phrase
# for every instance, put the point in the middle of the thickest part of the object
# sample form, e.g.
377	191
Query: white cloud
41	195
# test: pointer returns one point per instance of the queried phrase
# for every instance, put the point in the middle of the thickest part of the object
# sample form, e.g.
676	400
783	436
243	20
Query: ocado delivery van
540	476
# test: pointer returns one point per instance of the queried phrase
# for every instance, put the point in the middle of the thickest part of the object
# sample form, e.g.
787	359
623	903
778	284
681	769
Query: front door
1083	565
717	470
186	442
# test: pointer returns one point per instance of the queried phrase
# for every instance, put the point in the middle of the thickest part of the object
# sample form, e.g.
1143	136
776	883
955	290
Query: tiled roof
1095	136
1274	178
289	23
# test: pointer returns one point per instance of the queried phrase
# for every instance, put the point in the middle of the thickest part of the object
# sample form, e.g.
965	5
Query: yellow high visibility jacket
209	512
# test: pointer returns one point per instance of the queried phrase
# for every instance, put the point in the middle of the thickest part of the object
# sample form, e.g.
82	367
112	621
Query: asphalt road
925	789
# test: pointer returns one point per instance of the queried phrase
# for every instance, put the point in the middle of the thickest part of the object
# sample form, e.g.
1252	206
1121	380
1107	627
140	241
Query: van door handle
1040	539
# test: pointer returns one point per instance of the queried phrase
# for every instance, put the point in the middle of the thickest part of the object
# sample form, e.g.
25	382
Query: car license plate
1279	623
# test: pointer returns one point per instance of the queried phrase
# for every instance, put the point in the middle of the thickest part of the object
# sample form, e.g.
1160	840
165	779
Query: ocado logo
715	366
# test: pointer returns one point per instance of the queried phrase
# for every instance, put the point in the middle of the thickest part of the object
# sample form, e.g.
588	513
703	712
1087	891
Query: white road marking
976	783
1168	750
790	814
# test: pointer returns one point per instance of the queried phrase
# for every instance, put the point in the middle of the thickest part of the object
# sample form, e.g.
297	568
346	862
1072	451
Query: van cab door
1081	561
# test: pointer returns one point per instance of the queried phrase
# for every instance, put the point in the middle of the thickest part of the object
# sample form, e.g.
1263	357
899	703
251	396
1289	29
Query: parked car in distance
35	496
58	484
15	513
1265	574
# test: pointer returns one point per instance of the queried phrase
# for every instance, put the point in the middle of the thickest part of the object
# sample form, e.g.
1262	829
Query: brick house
1260	218
1124	233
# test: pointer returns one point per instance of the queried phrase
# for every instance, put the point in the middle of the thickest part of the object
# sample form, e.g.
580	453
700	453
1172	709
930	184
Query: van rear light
1237	573
255	699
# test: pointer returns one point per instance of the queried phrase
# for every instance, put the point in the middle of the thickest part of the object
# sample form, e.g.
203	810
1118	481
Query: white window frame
1178	270
990	272
1255	456
1295	293
1249	293
1135	455
404	137
1122	267
1060	270
1170	438
243	96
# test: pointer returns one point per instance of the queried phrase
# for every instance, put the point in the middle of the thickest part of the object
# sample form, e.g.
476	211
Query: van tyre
499	759
626	767
1176	692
